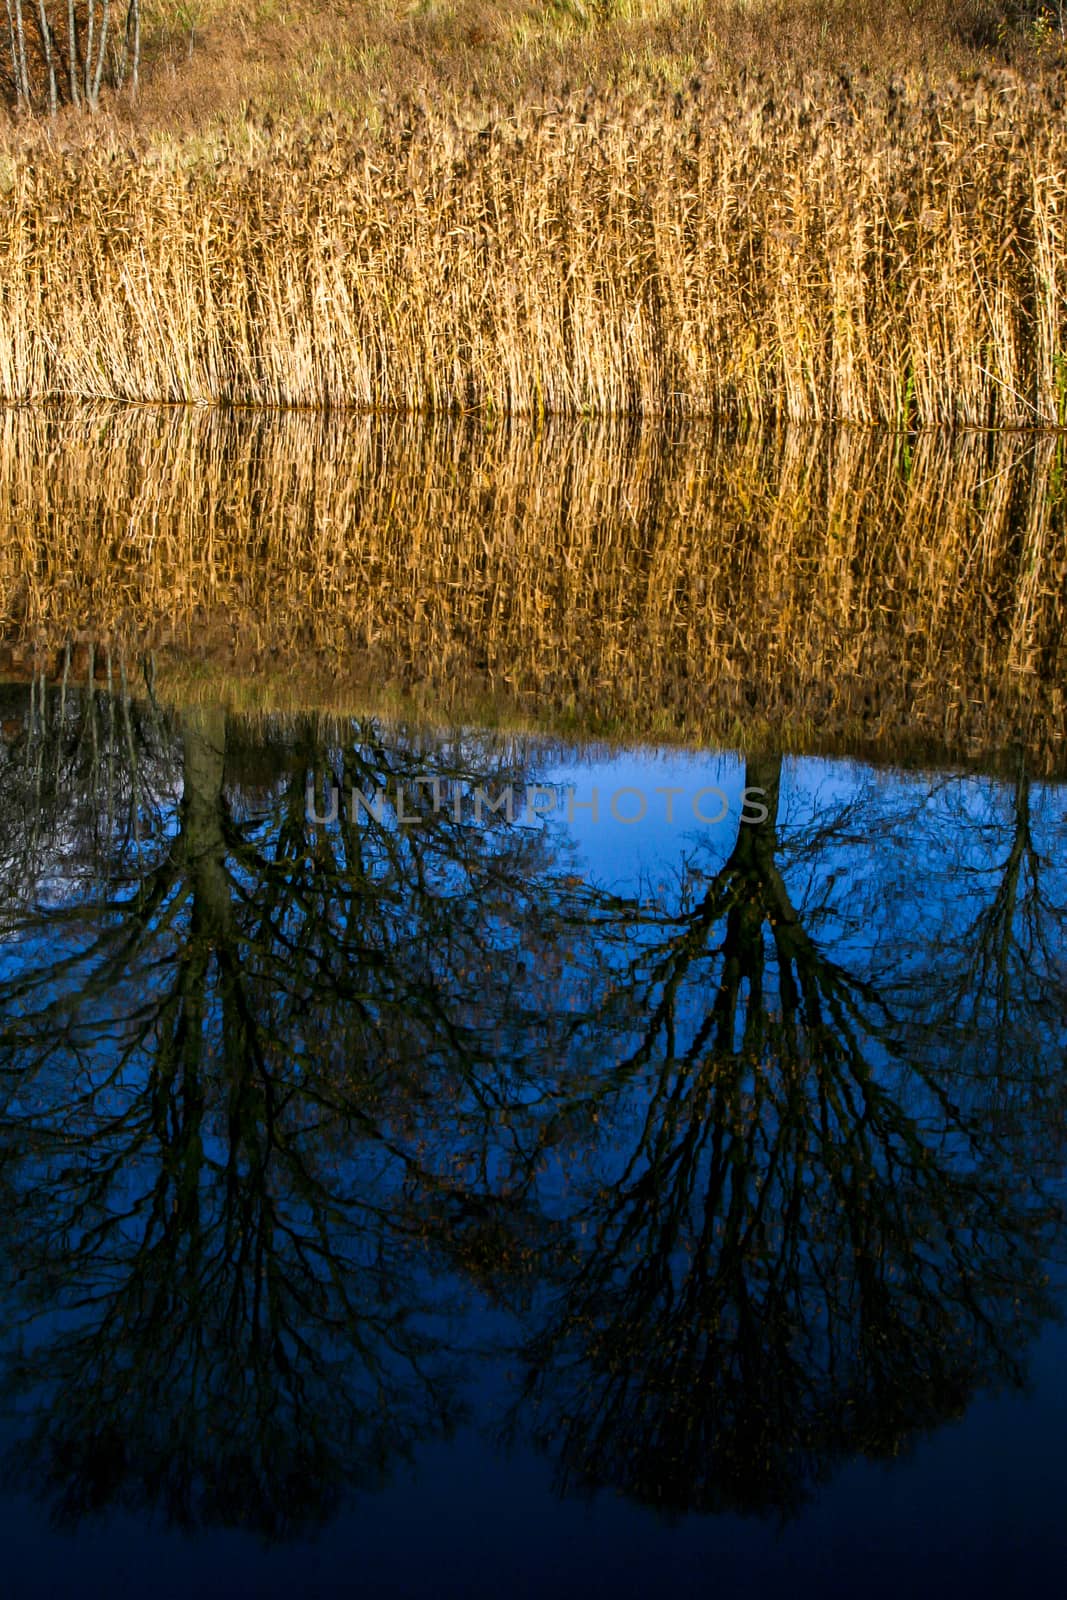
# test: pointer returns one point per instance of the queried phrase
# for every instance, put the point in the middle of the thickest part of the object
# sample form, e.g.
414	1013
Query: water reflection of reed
828	587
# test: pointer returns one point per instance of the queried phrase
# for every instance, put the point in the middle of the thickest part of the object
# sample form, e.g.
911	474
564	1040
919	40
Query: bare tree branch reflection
286	1106
798	1242
242	1089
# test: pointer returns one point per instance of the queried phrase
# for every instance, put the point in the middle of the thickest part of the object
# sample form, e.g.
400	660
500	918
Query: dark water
514	1198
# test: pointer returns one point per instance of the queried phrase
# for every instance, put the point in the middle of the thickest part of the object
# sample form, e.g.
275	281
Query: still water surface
520	1204
837	590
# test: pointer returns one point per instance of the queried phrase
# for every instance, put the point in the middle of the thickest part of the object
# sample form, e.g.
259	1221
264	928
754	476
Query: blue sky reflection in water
483	1206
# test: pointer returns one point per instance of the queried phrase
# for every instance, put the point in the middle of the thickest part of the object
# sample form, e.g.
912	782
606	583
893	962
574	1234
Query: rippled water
454	1162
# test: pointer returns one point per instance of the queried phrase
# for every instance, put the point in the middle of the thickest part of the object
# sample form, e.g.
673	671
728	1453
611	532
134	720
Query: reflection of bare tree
805	1247
86	774
275	1097
998	979
245	1092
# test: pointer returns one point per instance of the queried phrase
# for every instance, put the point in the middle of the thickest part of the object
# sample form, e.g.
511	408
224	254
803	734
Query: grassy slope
212	61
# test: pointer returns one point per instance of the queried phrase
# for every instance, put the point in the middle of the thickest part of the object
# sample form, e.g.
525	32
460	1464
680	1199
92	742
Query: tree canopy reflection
286	1105
237	1081
799	1240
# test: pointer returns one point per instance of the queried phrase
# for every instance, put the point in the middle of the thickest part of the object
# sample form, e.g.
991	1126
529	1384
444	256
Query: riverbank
846	249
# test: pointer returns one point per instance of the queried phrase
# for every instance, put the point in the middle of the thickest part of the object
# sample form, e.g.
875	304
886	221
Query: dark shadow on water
319	1138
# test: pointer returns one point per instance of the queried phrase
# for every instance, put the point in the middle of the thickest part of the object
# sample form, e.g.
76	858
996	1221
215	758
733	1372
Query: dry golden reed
819	249
828	588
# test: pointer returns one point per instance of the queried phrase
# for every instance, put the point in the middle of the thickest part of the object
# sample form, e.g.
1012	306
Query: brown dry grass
713	220
816	588
210	58
815	249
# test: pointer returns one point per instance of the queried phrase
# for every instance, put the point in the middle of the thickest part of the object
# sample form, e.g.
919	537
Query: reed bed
827	248
811	586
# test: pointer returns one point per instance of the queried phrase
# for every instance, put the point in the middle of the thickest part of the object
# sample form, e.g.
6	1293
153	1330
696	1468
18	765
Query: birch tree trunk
16	76
72	54
87	64
134	14
101	51
22	76
80	77
49	58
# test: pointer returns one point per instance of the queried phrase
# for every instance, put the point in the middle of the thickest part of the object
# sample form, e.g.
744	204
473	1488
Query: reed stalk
803	251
